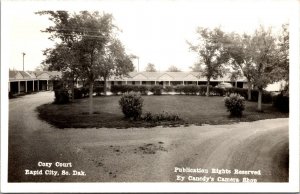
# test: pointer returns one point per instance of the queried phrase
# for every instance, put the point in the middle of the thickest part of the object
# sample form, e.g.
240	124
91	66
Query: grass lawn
196	110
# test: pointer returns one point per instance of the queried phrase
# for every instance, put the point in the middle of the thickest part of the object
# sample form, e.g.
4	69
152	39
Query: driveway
259	149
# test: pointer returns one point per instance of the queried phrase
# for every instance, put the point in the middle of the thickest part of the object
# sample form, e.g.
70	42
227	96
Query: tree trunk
105	86
249	91
259	99
207	88
91	87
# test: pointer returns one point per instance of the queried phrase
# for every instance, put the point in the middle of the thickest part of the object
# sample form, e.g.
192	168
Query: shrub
156	89
131	105
98	90
61	96
190	89
78	93
168	89
179	89
217	91
142	89
116	89
281	102
235	104
202	90
164	116
81	92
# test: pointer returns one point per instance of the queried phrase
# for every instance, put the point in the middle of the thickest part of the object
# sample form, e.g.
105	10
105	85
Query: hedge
61	96
121	89
281	102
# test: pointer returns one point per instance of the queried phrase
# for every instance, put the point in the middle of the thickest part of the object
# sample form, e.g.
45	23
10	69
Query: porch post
140	82
183	82
33	85
126	82
169	83
19	87
38	86
47	86
26	86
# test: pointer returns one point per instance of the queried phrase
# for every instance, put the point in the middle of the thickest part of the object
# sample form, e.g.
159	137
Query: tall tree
282	62
114	61
150	67
63	56
211	53
90	40
240	49
265	60
173	68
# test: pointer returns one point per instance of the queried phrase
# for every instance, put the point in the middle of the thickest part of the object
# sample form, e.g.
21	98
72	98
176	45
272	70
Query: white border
292	186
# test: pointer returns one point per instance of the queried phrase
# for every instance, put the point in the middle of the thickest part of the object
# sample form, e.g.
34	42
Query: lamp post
23	59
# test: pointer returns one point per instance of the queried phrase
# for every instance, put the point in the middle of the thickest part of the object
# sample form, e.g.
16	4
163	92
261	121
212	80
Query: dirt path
148	155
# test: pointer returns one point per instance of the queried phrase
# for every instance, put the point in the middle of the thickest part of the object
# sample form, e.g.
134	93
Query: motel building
172	79
22	82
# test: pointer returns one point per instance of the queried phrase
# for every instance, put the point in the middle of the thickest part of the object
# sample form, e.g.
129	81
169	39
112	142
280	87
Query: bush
281	102
164	116
116	89
235	104
179	89
131	105
142	89
202	90
217	91
266	96
61	96
81	92
190	89
168	89
98	90
156	89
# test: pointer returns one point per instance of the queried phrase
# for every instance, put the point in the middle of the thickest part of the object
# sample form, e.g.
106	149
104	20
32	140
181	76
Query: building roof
132	76
169	76
32	75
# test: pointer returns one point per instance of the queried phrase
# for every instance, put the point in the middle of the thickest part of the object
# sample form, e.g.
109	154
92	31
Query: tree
240	49
265	60
114	61
63	57
282	62
89	41
150	67
42	67
211	53
173	68
196	67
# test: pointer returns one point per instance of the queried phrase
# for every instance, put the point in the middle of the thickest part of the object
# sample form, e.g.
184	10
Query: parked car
224	85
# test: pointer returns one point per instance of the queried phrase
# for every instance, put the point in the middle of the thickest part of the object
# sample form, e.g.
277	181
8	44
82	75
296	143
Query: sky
155	31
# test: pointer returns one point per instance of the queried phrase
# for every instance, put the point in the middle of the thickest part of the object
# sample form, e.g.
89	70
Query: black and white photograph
140	94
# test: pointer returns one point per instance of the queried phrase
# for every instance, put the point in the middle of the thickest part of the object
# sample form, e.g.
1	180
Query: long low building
21	82
172	79
33	81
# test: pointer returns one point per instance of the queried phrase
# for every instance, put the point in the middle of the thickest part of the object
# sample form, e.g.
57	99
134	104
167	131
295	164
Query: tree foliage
211	52
150	67
173	68
87	47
